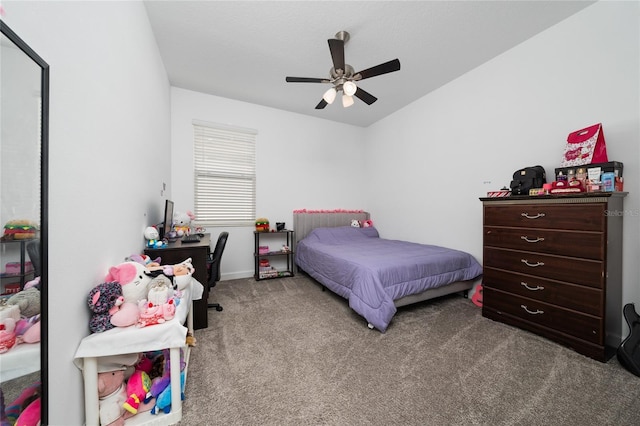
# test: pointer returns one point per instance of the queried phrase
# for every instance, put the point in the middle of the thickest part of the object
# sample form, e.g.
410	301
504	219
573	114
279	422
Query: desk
175	253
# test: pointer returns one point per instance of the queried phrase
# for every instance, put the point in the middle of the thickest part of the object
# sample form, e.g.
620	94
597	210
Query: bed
377	275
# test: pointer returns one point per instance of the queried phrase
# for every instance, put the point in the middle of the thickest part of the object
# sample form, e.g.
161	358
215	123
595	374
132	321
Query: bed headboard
305	221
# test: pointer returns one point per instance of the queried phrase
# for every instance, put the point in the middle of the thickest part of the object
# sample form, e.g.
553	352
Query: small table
177	252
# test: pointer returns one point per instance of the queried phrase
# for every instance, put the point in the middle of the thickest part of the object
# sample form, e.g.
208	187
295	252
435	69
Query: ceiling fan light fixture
349	88
330	95
347	101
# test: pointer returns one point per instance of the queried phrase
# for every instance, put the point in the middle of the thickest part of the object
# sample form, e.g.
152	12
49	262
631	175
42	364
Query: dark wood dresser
553	266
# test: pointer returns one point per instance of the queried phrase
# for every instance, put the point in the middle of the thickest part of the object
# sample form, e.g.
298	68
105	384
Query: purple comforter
373	272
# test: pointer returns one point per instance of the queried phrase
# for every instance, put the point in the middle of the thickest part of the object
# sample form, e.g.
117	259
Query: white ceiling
244	49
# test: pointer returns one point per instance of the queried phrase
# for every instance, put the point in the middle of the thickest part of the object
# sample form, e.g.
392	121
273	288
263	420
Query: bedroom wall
302	162
444	151
109	139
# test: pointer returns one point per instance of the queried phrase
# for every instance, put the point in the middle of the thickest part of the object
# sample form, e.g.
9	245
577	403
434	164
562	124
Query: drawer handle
536	312
538	287
529	240
533	265
532	217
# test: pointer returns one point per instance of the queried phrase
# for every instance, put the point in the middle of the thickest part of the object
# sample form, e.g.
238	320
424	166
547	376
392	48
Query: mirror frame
44	215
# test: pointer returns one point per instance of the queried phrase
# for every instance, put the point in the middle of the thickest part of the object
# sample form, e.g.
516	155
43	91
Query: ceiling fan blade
385	68
306	80
336	47
365	96
322	104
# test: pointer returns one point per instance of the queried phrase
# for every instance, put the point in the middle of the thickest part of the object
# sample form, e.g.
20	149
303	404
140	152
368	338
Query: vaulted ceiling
243	50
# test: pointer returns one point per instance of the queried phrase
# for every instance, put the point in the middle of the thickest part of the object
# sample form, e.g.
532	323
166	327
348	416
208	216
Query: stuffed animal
367	223
151	314
28	301
159	384
355	223
102	301
182	222
28	330
144	260
160	290
137	390
7	334
16	408
163	401
132	278
112	394
180	274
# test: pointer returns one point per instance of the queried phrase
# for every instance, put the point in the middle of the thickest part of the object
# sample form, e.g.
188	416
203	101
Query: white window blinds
225	175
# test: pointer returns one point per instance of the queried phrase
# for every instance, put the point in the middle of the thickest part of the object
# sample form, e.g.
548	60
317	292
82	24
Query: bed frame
306	221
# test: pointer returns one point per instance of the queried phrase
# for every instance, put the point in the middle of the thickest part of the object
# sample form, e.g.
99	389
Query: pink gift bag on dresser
585	146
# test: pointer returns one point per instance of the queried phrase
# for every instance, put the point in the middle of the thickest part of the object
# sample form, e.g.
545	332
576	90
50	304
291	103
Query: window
225	174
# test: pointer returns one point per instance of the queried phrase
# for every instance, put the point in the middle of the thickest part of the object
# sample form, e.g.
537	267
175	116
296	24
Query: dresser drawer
579	217
584	244
569	269
576	297
576	324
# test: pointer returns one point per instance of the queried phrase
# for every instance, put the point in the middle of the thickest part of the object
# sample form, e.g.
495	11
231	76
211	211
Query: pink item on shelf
14	267
263	249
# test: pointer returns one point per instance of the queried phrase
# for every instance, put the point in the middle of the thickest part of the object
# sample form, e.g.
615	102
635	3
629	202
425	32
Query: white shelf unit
129	340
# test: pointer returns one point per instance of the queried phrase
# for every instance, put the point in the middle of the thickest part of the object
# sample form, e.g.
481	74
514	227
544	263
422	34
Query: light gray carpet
285	353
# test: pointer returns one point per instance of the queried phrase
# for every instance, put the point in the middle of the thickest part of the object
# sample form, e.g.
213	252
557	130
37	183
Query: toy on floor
477	296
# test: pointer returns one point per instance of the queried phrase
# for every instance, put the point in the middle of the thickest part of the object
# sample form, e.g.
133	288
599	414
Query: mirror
24	107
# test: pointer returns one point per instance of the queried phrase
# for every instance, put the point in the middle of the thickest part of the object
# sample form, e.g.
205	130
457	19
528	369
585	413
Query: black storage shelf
286	237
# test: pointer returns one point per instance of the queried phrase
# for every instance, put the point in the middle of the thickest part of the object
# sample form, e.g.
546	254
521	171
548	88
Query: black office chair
33	250
213	265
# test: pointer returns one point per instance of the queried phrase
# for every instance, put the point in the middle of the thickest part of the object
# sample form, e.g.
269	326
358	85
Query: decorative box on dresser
553	266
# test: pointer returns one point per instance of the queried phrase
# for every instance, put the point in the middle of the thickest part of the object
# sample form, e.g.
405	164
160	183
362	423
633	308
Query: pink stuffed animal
151	314
133	278
138	387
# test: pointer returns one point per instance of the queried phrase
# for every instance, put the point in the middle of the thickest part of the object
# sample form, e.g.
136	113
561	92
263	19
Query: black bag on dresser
528	178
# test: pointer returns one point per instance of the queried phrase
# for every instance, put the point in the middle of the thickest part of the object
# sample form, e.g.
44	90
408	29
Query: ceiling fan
343	78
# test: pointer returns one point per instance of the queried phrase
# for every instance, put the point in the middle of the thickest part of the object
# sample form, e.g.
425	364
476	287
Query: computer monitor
167	221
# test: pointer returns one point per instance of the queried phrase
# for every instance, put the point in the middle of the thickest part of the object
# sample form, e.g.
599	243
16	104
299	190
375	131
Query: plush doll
151	314
163	401
144	260
24	400
160	290
132	278
180	274
28	330
137	390
28	301
102	301
355	223
31	416
7	334
367	223
182	223
159	384
112	394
